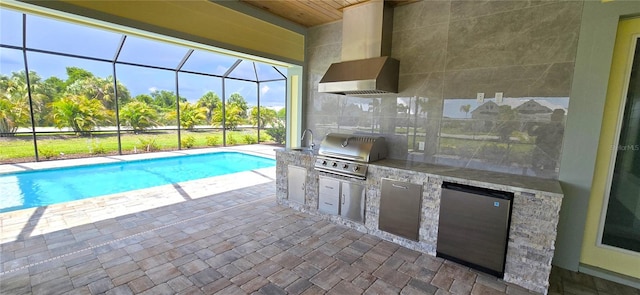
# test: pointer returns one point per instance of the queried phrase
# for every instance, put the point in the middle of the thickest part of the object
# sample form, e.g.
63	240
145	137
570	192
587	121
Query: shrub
278	133
213	140
149	144
250	138
80	113
139	115
47	153
191	115
97	148
188	141
231	139
264	137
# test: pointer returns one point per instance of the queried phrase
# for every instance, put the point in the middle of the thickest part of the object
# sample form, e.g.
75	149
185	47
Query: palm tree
79	113
139	115
99	89
267	117
232	117
465	109
14	105
13	114
190	115
237	100
210	101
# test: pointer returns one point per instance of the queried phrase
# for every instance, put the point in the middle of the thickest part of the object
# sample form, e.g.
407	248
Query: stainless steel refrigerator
473	227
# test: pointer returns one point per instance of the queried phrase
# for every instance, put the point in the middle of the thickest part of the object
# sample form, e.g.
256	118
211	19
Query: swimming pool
29	189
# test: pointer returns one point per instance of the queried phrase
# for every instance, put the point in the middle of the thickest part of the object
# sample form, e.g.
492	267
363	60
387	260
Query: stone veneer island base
534	216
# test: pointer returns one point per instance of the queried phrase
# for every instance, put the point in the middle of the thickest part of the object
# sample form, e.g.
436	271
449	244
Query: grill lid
360	148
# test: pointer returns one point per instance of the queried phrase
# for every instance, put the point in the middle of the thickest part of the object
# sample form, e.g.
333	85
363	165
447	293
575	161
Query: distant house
484	116
532	110
526	111
487	111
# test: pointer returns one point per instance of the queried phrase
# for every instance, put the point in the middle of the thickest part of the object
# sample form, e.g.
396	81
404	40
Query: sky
54	35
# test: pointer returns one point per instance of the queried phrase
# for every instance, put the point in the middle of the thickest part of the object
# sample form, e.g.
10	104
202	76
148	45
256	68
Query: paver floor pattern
239	242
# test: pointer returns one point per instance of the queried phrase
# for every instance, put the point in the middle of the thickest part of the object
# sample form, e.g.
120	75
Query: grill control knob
345	166
335	164
356	168
324	162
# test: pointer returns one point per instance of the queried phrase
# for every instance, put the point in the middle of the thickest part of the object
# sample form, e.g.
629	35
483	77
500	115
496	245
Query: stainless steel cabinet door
329	195
400	208
352	203
296	176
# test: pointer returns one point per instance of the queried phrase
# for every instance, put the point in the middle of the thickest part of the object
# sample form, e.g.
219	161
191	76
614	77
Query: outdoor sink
304	149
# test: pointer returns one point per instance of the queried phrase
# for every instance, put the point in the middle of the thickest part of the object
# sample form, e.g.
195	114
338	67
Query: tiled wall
448	52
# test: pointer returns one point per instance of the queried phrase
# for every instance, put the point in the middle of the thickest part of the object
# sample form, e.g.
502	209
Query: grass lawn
20	148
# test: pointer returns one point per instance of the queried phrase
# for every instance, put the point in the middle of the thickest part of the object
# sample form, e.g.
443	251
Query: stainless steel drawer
329	195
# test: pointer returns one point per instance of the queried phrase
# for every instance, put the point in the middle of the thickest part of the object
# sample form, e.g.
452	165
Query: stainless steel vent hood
366	67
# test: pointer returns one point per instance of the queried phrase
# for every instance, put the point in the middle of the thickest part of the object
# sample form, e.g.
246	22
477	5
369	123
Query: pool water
52	186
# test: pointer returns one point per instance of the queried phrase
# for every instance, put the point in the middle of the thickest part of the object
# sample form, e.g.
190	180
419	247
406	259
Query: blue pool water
51	186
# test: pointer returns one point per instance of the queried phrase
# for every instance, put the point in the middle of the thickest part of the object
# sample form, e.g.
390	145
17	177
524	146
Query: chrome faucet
311	145
346	142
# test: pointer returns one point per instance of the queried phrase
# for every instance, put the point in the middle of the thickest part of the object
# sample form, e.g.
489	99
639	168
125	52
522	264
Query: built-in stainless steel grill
349	155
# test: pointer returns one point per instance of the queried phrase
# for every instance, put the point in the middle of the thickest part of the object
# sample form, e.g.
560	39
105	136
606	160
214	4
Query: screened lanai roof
47	35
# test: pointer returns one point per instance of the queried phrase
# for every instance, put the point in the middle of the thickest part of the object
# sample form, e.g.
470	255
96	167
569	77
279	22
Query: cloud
152	89
221	69
264	89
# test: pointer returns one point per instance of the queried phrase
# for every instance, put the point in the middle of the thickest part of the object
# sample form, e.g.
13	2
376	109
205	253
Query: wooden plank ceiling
311	13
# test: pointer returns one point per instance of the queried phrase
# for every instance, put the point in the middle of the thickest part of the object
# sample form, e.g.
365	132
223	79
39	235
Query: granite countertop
313	152
459	174
464	175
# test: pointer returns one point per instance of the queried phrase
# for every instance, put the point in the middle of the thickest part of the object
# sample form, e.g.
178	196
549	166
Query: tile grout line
91	247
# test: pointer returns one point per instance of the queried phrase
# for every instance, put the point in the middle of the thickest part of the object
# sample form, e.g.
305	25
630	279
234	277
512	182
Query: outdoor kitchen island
534	215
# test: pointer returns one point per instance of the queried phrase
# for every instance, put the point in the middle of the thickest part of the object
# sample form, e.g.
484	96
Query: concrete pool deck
79	212
224	235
